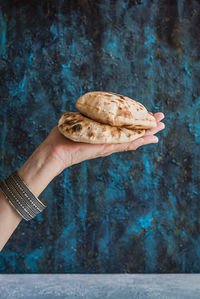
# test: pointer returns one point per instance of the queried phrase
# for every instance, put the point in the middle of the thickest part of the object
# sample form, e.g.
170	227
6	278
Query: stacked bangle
20	197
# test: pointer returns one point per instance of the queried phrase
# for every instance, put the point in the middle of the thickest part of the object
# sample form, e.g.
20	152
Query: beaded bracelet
20	197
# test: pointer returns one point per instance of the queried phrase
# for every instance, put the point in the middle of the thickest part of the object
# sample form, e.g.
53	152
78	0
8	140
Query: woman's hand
52	157
67	152
57	152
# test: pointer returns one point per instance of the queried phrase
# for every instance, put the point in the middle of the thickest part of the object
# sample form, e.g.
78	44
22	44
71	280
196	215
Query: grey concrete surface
91	286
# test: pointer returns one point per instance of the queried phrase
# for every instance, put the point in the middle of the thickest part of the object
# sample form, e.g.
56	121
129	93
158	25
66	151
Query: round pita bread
115	110
77	127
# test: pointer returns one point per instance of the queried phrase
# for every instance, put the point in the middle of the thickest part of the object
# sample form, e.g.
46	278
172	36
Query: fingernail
155	139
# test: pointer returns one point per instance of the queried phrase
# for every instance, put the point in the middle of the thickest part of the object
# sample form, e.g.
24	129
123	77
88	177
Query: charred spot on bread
90	134
113	132
127	114
71	121
76	128
141	106
120	100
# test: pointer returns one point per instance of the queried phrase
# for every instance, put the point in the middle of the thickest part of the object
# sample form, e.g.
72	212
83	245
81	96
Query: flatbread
115	110
77	127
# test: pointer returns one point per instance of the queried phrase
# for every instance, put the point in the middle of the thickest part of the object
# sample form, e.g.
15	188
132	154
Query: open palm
69	152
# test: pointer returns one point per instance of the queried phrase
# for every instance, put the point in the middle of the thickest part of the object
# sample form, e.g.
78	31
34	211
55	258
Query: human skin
55	154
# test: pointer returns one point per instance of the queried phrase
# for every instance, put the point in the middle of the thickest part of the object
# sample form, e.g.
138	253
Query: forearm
40	169
37	172
9	220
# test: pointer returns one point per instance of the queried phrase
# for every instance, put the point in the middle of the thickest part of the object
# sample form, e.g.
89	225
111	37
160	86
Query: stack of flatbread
106	117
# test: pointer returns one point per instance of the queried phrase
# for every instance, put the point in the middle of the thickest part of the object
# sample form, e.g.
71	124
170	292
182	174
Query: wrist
40	169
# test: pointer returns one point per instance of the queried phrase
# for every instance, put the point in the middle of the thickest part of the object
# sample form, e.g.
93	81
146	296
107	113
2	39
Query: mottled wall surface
131	212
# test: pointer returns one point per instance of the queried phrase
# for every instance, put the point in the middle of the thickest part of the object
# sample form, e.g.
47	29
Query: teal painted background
130	212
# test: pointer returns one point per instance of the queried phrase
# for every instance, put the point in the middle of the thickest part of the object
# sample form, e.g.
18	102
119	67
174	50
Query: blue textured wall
129	212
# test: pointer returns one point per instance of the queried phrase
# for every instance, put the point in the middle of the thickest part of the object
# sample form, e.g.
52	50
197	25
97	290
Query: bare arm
37	173
54	155
9	220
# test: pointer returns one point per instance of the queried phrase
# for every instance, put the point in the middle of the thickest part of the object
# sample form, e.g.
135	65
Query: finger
158	116
133	145
160	126
143	141
149	139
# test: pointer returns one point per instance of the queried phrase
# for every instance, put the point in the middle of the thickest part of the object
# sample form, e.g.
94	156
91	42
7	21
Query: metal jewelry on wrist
20	197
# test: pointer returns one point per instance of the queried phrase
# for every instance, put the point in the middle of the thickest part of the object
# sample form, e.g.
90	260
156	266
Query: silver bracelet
20	197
